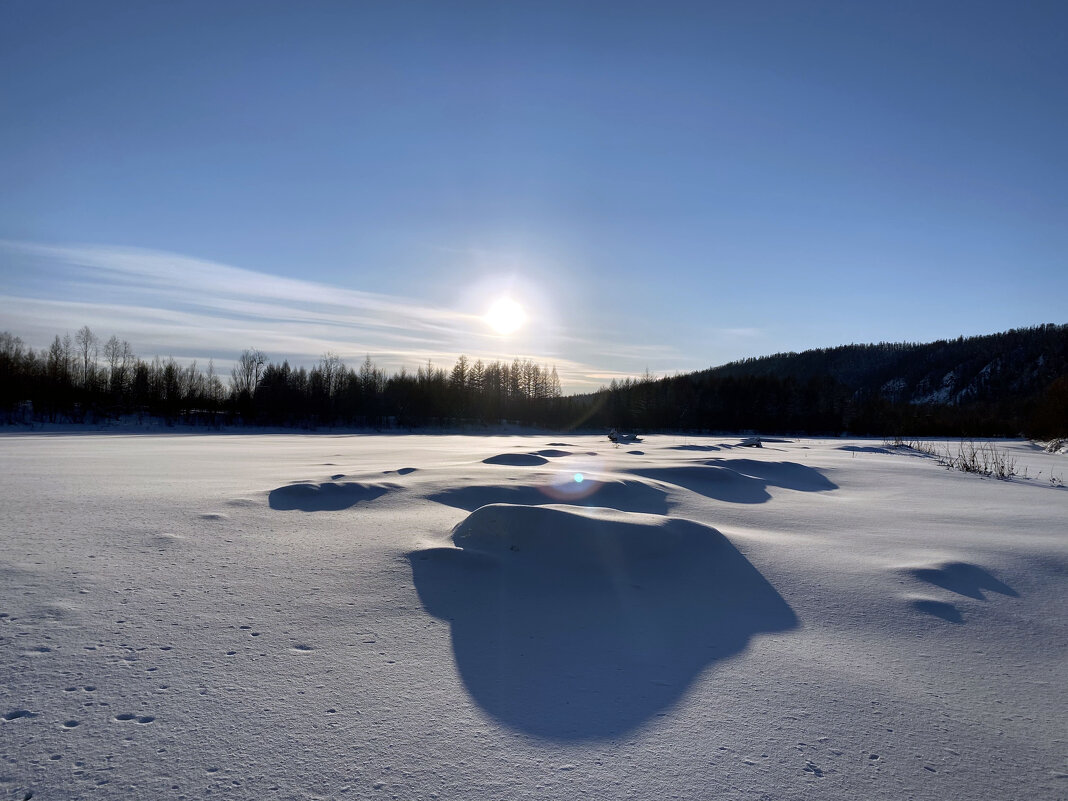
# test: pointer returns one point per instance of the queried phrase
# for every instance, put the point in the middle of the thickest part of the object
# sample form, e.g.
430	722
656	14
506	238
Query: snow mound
516	459
626	495
563	536
740	480
326	497
788	475
579	623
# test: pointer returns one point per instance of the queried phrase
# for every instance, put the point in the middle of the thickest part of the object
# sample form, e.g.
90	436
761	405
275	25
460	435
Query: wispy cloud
169	304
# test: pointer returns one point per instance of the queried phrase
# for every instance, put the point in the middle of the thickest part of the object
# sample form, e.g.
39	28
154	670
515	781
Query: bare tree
245	375
458	377
213	388
332	369
554	384
371	379
10	346
59	359
87	350
120	358
112	355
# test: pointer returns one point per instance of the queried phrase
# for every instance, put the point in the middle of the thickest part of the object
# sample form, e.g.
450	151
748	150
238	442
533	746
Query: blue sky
665	186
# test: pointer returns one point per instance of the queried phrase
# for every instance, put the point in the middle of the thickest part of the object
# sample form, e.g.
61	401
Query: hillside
1000	384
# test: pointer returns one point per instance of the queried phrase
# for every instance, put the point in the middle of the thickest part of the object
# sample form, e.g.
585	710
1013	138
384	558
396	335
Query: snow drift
577	623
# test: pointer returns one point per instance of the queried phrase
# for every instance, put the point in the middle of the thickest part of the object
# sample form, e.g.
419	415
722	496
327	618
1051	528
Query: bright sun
505	316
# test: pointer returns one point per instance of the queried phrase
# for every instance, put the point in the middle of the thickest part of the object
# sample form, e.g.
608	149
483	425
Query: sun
505	316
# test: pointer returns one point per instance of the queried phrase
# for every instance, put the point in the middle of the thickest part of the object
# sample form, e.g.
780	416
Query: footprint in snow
127	716
15	714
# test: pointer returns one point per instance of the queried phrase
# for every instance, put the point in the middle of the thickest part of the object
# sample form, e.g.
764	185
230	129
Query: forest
1009	384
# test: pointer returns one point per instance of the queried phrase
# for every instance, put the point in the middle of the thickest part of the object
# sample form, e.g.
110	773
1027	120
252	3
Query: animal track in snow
15	714
127	716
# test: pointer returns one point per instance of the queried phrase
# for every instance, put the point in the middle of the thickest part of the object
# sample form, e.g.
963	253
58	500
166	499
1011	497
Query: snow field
285	616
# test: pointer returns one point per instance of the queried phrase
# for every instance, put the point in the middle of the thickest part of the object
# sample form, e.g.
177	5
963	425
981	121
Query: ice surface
284	616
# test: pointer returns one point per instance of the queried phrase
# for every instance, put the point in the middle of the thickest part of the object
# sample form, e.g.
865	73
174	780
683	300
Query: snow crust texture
441	617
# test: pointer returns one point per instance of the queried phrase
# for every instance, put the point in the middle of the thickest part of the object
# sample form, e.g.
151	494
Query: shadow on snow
570	626
326	497
740	480
626	496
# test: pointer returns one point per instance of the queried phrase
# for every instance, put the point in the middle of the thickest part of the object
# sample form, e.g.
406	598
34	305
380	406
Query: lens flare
575	482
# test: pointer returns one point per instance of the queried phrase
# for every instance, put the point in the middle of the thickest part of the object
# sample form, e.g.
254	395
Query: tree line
1004	384
81	378
998	385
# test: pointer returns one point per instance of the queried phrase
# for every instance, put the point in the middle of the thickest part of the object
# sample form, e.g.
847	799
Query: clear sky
663	186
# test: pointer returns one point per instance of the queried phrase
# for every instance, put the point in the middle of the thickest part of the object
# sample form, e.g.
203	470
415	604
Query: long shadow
571	627
516	459
789	475
740	480
720	483
626	496
327	497
942	609
963	579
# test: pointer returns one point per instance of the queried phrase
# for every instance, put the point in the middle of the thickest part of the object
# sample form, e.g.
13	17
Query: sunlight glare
505	316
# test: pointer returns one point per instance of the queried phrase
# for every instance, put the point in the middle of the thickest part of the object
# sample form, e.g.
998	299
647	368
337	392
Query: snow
418	617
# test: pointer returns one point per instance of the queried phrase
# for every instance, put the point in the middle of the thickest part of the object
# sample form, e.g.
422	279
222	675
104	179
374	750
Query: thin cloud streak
198	279
166	303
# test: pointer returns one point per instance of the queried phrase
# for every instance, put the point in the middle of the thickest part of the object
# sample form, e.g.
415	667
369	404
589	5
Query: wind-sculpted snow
867	626
739	480
624	495
516	459
577	624
788	475
326	497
